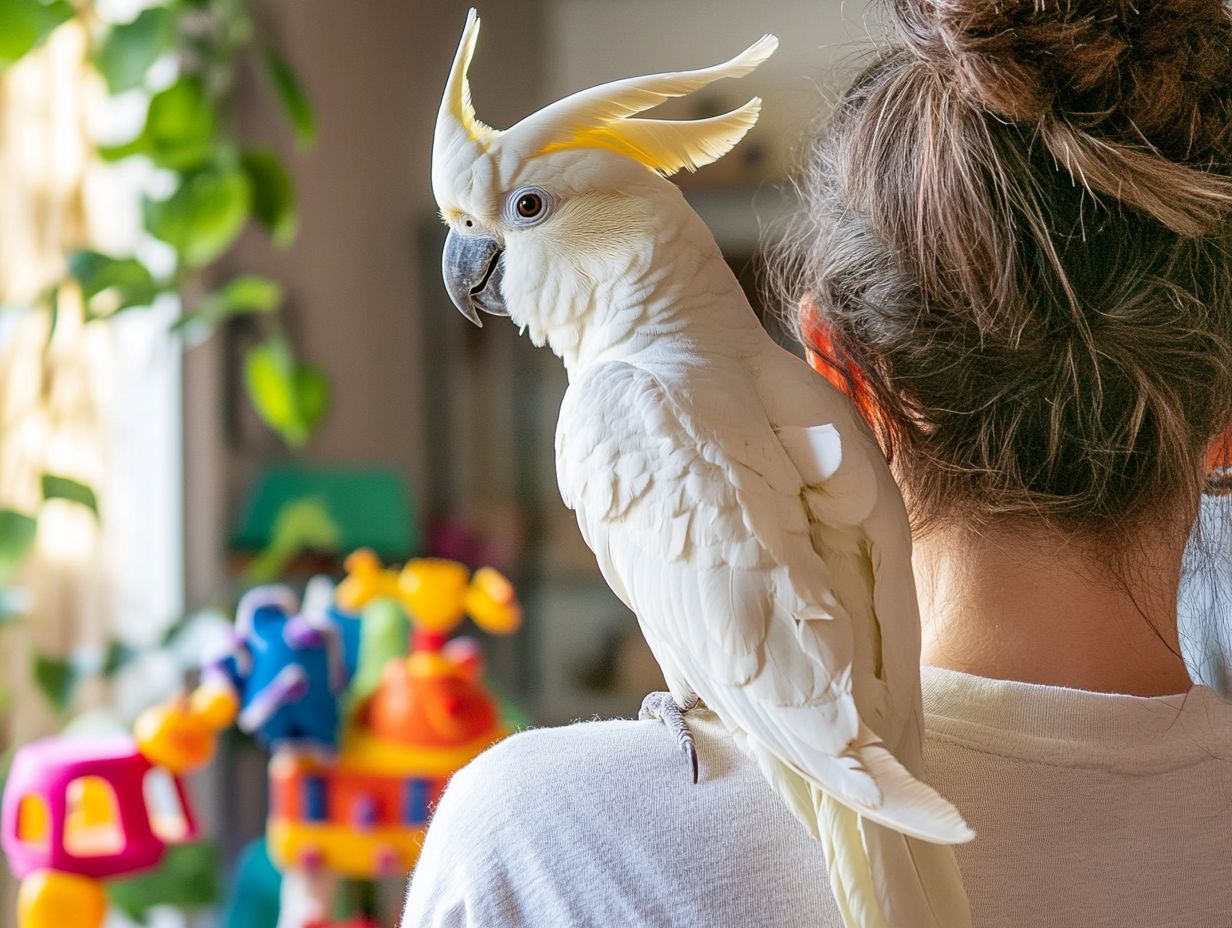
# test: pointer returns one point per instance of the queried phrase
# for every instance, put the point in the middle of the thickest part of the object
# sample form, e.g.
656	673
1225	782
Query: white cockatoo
734	499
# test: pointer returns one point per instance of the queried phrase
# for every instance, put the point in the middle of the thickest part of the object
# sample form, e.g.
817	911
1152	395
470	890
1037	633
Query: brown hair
1018	235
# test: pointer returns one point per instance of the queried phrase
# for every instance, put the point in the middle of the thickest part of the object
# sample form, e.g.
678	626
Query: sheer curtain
98	402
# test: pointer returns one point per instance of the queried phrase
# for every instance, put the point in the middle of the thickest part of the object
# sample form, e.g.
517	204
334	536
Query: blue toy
256	889
288	667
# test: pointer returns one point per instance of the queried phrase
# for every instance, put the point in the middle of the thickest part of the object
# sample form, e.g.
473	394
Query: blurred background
226	356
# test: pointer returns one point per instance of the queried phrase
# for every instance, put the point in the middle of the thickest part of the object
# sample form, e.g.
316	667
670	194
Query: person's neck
1035	608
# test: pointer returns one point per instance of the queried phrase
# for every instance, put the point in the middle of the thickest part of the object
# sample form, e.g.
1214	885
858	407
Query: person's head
1020	239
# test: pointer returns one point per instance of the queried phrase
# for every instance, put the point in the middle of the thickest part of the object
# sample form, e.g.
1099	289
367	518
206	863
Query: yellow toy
435	593
180	735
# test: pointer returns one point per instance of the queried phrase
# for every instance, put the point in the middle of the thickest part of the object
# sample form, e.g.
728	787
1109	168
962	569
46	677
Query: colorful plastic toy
256	886
428	714
435	593
350	792
287	670
403	723
80	810
364	815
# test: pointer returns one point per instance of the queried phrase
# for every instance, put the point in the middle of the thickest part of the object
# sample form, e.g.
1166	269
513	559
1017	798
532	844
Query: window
33	822
92	827
166	811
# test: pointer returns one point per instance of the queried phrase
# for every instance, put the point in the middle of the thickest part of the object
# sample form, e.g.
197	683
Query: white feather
775	659
734	500
617	100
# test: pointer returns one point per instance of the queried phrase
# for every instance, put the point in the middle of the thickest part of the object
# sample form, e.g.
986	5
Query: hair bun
1155	71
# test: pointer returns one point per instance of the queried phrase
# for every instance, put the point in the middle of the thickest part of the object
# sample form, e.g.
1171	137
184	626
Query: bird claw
664	708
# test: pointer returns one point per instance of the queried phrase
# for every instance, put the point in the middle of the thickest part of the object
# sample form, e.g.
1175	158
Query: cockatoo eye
528	206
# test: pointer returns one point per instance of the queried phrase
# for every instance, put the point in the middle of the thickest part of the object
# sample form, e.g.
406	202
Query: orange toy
419	718
434	698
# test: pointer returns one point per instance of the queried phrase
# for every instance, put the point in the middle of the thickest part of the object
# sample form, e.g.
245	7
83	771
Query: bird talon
662	707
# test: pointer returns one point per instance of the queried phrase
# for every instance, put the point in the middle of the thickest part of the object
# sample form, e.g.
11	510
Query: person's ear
1219	464
827	359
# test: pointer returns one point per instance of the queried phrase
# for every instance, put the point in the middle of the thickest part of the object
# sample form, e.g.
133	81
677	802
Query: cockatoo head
566	193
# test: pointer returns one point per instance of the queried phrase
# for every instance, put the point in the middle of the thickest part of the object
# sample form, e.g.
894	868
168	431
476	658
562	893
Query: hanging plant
184	58
220	181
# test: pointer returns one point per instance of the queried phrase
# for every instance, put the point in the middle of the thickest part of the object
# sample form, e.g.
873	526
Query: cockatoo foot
663	706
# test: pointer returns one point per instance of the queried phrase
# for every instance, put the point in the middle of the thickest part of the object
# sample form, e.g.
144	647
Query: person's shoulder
601	823
588	742
542	813
603	766
543	764
523	800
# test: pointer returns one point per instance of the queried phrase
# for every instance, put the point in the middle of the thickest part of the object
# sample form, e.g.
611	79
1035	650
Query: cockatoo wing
861	495
707	537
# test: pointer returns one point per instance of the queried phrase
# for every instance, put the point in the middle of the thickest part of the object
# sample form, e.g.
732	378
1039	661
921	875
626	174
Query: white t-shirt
1089	809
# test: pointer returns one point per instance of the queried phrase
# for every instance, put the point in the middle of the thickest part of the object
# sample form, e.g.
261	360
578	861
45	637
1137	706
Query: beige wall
374	69
820	42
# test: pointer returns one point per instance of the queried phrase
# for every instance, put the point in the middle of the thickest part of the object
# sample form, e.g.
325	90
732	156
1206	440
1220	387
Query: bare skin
1034	607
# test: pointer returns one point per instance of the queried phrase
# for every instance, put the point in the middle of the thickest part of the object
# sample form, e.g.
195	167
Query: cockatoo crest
599	117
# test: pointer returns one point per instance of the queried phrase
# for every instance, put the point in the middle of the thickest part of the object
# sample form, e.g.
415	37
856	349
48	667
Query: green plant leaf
204	216
252	293
123	150
58	487
312	394
247	294
290	94
306	524
117	656
17	531
289	396
56	679
97	272
53	316
180	128
25	24
185	878
269	374
129	49
111	284
273	195
301	525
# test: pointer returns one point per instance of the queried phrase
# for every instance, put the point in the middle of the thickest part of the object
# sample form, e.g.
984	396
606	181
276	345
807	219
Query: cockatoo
734	499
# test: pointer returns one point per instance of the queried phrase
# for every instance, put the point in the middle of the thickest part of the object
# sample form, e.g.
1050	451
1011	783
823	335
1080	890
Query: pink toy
78	810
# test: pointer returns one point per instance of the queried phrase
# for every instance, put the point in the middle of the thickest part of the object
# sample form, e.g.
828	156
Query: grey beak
472	266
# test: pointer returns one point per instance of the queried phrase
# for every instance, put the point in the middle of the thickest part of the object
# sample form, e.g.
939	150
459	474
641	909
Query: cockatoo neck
672	292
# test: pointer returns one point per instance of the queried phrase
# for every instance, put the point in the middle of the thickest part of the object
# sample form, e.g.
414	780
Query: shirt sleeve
447	887
600	824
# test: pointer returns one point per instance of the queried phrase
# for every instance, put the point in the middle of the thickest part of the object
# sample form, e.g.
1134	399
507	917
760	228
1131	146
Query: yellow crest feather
458	89
600	117
668	145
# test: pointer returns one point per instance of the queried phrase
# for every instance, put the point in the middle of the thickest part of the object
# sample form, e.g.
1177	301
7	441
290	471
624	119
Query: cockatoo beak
472	266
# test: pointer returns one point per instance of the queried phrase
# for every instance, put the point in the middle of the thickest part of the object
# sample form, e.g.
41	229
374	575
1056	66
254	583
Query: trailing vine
181	59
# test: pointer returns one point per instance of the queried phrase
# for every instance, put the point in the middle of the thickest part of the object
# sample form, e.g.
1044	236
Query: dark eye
529	205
